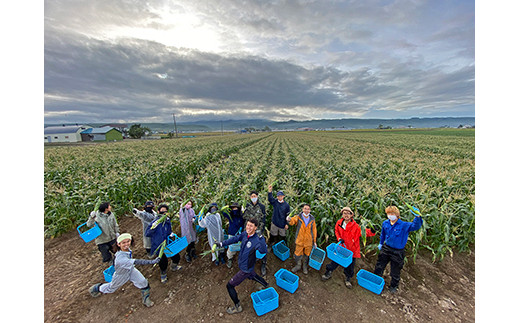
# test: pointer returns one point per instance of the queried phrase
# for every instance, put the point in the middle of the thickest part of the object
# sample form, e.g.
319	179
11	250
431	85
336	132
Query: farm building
101	134
64	133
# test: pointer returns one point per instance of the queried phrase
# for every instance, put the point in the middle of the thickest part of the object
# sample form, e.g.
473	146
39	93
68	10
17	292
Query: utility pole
175	124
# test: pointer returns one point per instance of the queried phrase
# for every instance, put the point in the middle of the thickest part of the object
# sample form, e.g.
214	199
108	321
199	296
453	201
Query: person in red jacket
347	233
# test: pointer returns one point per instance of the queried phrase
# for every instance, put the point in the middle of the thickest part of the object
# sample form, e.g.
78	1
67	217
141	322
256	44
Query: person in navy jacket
251	242
281	210
394	235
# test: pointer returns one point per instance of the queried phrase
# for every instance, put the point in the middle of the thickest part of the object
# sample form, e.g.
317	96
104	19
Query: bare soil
439	292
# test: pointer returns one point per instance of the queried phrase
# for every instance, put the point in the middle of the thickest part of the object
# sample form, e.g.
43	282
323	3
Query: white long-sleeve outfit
213	223
125	271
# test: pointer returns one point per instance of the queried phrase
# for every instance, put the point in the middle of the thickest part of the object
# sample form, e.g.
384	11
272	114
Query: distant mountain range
211	125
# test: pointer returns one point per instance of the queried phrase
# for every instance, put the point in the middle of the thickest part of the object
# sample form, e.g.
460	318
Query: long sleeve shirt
280	211
396	235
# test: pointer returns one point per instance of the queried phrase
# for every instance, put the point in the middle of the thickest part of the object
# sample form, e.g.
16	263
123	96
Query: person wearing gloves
213	223
125	271
256	210
305	237
281	210
187	218
251	242
348	233
394	235
236	224
146	216
106	220
158	232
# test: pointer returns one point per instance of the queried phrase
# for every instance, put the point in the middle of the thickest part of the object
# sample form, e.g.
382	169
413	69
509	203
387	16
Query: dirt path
442	292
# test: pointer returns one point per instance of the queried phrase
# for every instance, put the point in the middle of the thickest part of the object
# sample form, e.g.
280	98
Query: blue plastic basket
265	301
91	233
235	246
173	247
287	280
281	250
339	254
316	258
108	273
370	281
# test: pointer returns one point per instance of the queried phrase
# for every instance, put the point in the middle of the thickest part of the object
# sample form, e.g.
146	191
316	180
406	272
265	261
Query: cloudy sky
141	61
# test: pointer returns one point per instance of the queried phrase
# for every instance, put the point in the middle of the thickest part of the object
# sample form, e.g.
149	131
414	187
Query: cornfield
366	170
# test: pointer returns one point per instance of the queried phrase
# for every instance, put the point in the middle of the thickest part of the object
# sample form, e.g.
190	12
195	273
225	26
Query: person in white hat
125	271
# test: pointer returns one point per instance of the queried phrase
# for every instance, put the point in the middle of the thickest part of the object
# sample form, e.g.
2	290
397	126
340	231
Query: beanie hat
123	237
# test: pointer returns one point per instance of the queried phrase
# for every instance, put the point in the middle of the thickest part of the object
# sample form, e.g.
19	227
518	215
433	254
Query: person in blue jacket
394	235
281	210
236	225
158	232
251	242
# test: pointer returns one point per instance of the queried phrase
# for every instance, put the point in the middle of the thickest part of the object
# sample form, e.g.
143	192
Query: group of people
247	226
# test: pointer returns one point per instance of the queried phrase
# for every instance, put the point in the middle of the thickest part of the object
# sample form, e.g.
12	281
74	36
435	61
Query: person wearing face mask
187	218
158	232
394	235
106	220
347	232
305	237
213	223
146	216
281	210
256	210
236	224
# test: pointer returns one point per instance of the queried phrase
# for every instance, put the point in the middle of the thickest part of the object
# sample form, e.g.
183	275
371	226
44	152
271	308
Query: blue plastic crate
260	255
91	233
265	301
287	280
316	258
108	273
235	246
370	281
173	247
339	254
281	250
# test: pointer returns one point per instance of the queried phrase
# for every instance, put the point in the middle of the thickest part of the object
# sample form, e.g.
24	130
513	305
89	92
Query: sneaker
393	290
348	284
229	263
188	258
147	302
326	275
164	277
234	309
175	267
217	262
94	290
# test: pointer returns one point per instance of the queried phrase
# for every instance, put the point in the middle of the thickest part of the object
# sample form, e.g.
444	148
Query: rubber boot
175	267
145	292
298	264
94	290
193	254
326	275
164	277
234	309
305	264
229	263
263	270
188	257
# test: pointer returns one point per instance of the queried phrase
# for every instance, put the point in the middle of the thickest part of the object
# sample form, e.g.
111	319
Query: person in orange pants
305	237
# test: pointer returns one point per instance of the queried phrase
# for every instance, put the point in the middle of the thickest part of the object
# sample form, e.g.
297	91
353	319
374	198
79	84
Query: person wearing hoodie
347	232
305	237
187	218
158	232
146	216
213	223
236	225
124	270
106	220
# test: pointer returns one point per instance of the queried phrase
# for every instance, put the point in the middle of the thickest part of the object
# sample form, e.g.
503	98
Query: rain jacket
305	234
248	247
350	235
107	223
146	218
213	223
159	234
186	217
